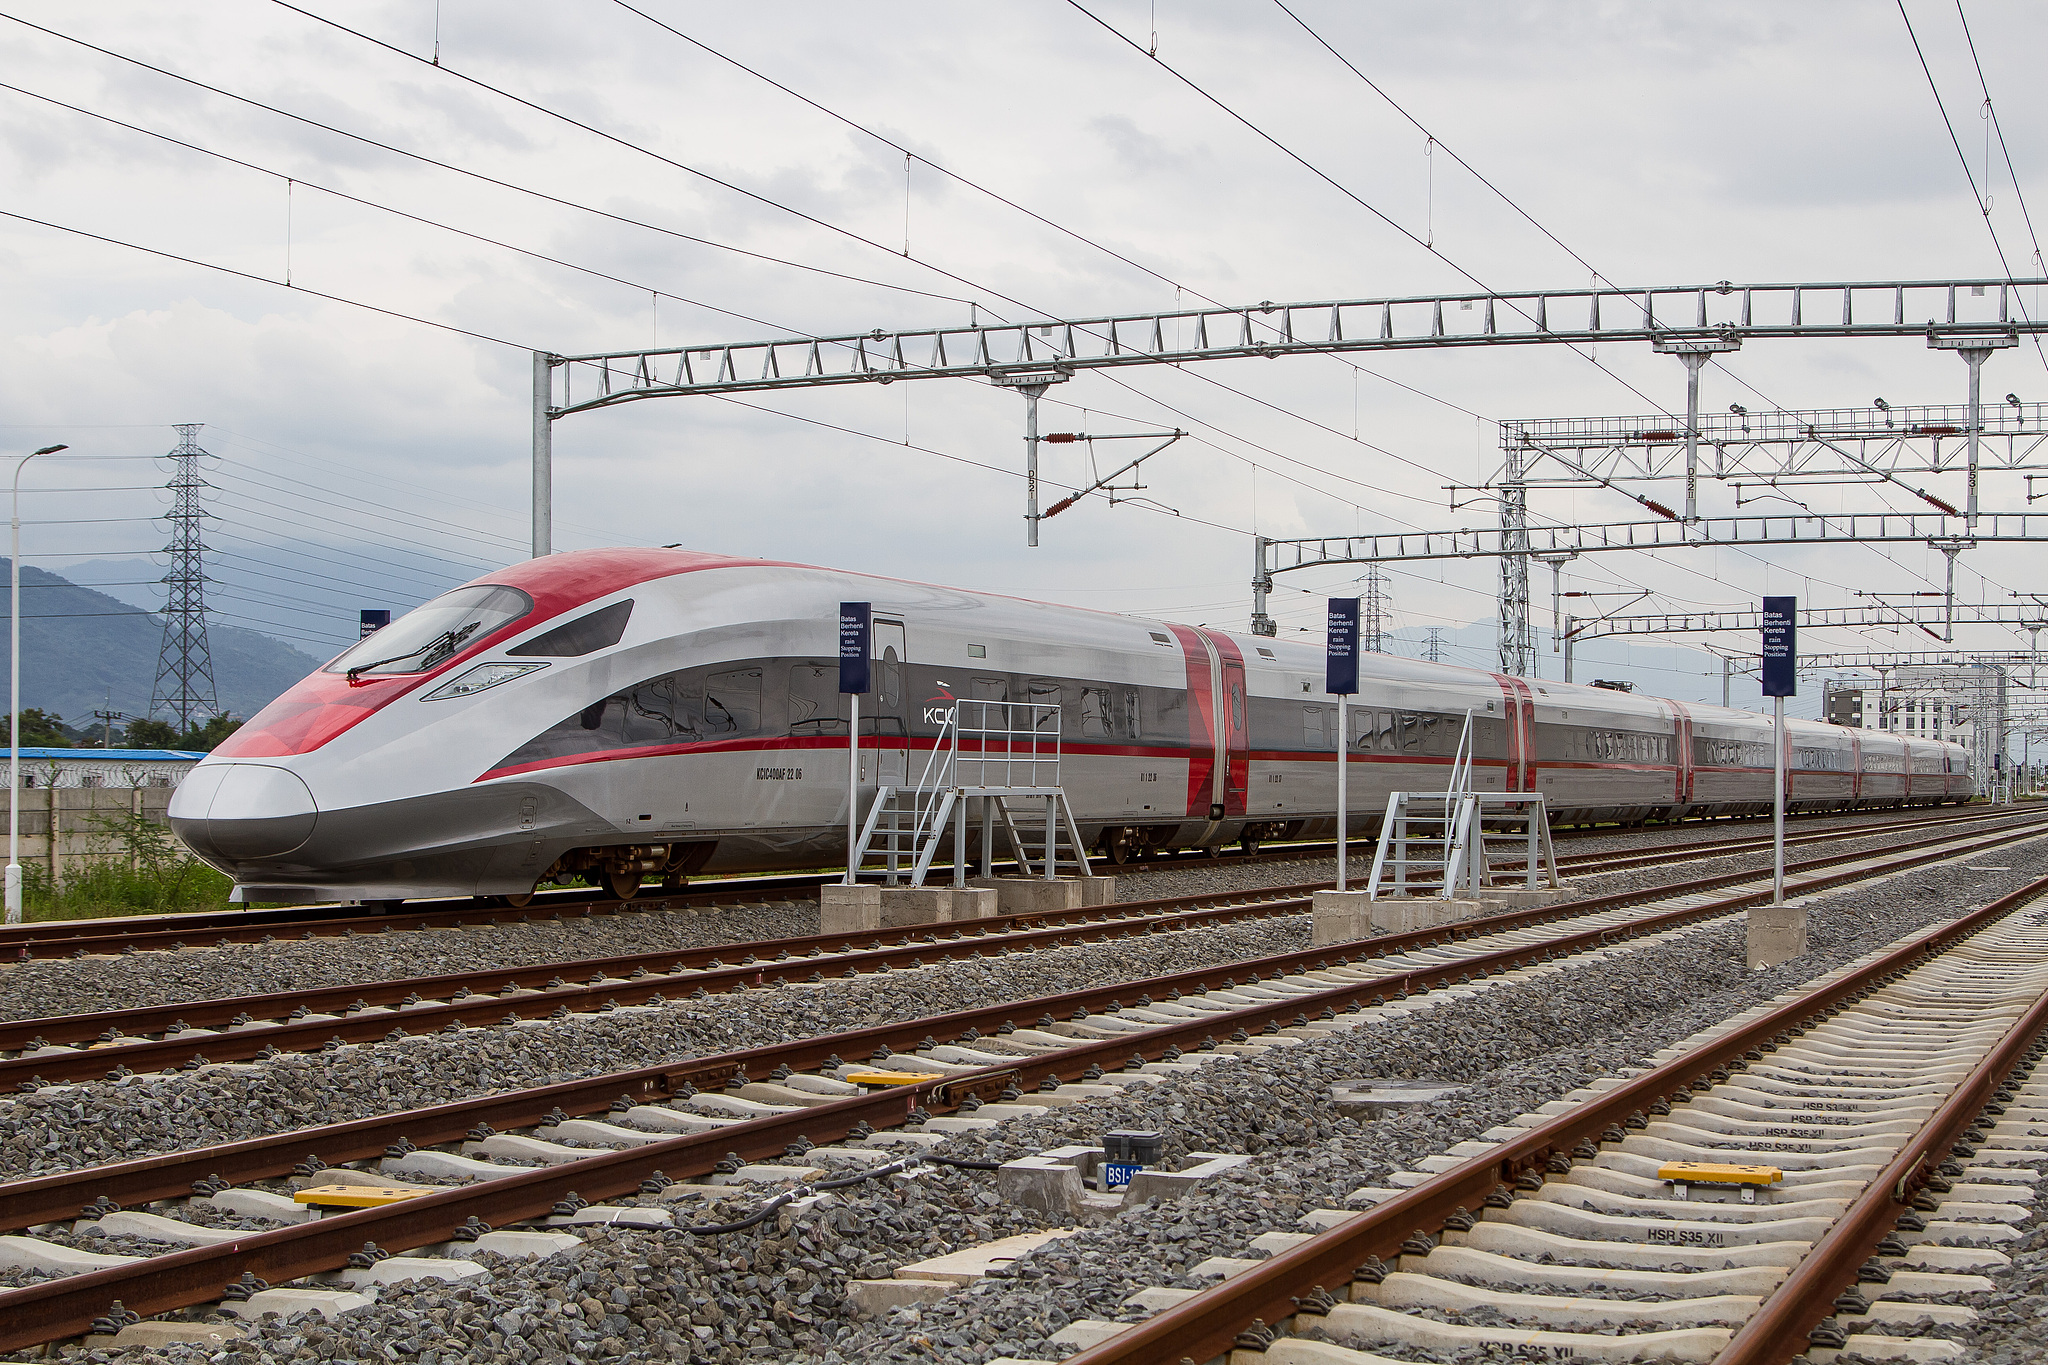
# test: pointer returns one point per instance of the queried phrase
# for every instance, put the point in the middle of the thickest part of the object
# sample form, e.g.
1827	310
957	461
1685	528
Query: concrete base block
972	1263
279	1208
1340	917
1173	1184
849	909
215	1334
1405	914
396	1268
1374	1098
1045	1183
904	907
1777	933
1085	1332
33	1253
1036	895
536	1244
328	1303
444	1166
1524	897
873	1298
519	1148
153	1227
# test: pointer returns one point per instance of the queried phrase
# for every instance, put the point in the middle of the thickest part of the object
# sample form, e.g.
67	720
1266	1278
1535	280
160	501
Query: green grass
110	887
135	868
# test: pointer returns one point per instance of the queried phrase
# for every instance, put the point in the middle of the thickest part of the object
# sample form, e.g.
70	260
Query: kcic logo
939	710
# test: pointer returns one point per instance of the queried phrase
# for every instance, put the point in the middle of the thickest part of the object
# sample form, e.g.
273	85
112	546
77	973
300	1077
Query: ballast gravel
62	1128
49	986
777	1292
1500	1045
53	986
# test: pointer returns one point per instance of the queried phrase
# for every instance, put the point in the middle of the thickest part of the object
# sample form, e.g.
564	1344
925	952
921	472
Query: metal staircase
1006	755
1459	832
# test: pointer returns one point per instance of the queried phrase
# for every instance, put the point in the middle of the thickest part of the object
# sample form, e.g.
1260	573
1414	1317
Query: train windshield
432	634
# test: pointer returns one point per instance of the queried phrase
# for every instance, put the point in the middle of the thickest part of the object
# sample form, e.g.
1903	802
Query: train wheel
1120	848
518	902
624	885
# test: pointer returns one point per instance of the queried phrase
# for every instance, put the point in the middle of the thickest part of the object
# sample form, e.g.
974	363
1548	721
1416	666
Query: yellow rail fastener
1683	1175
357	1196
893	1077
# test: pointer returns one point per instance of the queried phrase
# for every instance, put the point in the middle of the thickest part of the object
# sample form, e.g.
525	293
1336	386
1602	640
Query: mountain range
84	651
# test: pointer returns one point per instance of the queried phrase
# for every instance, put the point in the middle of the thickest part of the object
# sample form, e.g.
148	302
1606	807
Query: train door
891	736
1233	725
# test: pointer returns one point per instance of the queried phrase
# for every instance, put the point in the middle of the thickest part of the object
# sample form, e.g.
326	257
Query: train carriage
624	714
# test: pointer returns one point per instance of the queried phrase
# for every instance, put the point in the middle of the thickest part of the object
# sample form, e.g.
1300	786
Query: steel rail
147	932
66	1307
1781	1327
1275	1291
21	1034
259	1040
783	954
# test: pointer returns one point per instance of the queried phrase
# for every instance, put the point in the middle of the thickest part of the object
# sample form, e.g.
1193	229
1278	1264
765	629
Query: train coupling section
1718	1182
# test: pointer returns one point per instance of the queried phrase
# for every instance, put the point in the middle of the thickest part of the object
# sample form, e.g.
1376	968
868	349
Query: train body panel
640	712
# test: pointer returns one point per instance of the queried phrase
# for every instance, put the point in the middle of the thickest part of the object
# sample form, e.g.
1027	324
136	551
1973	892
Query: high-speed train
626	714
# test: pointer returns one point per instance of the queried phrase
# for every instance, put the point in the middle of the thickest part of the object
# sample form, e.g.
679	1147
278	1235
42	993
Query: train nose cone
241	811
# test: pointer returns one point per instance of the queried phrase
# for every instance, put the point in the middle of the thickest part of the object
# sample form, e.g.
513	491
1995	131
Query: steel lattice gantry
1718	311
2025	616
1972	317
1684	318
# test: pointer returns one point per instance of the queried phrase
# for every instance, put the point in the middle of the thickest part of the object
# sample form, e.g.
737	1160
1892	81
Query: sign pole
1780	680
1340	677
1778	805
856	638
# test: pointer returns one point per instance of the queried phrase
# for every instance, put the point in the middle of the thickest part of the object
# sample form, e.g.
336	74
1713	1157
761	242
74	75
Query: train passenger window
600	629
1095	713
732	703
1361	730
1387	740
1433	734
1131	724
1411	732
1044	693
1312	727
814	701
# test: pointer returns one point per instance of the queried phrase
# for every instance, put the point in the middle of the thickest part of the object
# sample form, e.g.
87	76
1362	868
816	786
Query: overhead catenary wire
301	181
1976	192
664	159
1997	126
473	175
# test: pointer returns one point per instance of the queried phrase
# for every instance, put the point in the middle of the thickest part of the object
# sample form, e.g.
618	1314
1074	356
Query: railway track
192	1034
685	1118
1898	1100
146	933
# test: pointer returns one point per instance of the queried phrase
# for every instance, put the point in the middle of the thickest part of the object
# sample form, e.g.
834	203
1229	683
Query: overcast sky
369	459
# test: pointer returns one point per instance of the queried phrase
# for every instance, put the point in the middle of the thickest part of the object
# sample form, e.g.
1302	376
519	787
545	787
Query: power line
1340	187
616	140
397	212
1003	199
1983	207
666	160
1998	127
262	279
473	175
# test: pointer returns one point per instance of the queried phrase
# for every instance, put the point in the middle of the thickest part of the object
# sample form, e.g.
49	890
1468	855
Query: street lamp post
14	699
